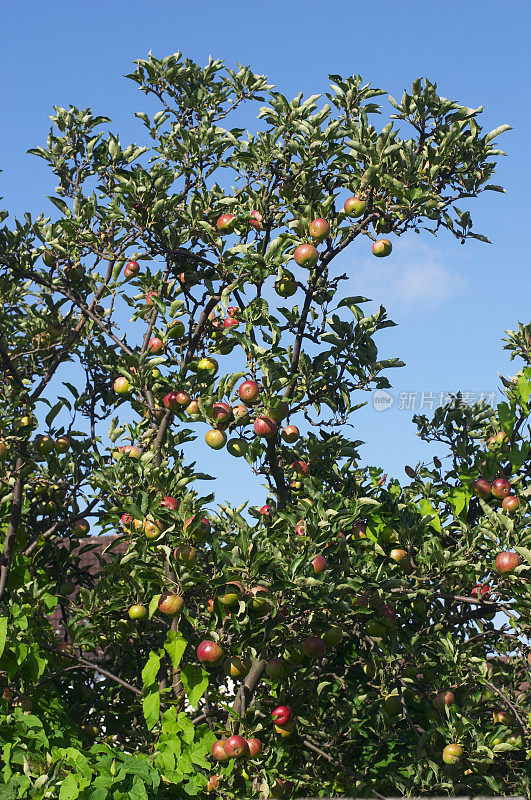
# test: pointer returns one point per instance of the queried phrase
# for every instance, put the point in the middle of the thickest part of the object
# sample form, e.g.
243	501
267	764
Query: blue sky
452	302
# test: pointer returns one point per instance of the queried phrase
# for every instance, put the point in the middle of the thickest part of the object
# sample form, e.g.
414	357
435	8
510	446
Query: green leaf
496	132
3	633
150	671
427	509
195	681
151	707
175	645
69	788
506	417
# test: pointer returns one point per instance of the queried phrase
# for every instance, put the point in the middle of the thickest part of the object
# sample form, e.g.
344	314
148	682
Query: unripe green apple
452	754
286	286
208	365
392	705
176	329
138	612
237	447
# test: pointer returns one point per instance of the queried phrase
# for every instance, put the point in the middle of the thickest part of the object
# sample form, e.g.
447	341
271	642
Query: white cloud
413	278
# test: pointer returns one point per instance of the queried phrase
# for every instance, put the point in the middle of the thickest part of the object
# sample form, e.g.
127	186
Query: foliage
102	705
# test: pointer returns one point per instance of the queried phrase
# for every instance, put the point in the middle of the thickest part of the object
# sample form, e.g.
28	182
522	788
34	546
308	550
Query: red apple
212	784
3	450
230	322
443	699
480	590
199	528
501	488
313	647
221	412
152	528
265	511
256	220
300	528
150	296
301	468
381	248
170	604
218	751
320	564
281	715
233	311
249	391
510	503
131	269
122	386
170	502
209	653
388	613
354	206
306	255
254	746
155	345
319	229
236	747
290	434
507	562
225	223
127	521
265	427
482	488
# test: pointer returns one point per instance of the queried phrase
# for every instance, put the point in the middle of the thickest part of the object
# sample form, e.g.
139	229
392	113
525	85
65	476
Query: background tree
352	617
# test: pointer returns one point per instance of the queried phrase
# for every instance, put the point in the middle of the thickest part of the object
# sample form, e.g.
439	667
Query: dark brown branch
509	705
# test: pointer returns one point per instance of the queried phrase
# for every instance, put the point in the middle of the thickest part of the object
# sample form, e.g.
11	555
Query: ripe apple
332	636
265	427
80	528
249	391
131	269
62	444
150	296
254	746
169	502
3	450
152	528
501	488
282	715
319	229
482	488
230	322
236	747
256	220
210	653
443	699
452	754
320	564
170	604
218	751
240	414
193	408
221	412
212	784
510	503
500	437
301	468
127	521
208	365
122	386
215	438
237	447
355	206
155	345
502	717
175	329
225	223
276	669
199	527
398	554
480	590
388	614
170	401
381	248
138	612
507	562
313	647
186	554
290	434
306	255
265	511
300	528
131	451
236	667
286	286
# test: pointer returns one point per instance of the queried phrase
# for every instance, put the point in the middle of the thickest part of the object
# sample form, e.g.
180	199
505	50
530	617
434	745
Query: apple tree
156	641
